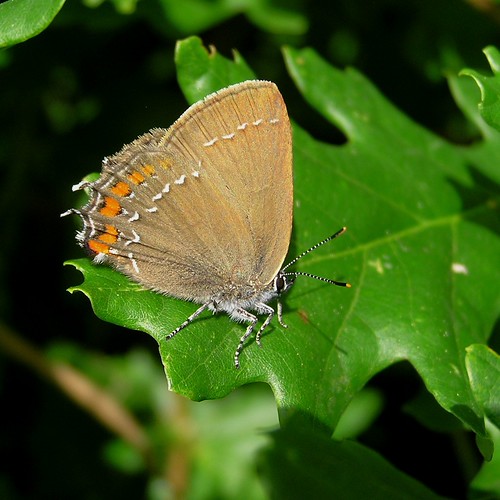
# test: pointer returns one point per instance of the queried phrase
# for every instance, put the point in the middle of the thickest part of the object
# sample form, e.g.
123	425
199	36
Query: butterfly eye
279	283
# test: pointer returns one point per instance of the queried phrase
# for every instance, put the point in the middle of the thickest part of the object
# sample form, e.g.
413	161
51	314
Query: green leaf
304	464
486	484
490	88
420	252
111	295
201	71
483	366
21	20
278	18
417	237
362	411
424	408
193	16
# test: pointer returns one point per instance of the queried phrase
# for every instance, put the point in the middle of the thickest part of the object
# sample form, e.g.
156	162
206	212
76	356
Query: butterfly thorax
250	296
232	301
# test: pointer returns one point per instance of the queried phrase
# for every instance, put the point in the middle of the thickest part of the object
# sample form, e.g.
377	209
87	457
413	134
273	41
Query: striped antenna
314	247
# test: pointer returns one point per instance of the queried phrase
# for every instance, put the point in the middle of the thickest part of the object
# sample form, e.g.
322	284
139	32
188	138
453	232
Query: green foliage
490	89
483	367
412	260
411	255
21	20
303	464
191	16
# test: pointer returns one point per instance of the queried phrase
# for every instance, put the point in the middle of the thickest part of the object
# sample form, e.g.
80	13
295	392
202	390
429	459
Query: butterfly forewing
241	139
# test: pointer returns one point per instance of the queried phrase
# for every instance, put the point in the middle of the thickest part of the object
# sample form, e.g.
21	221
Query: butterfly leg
264	309
280	315
186	323
243	315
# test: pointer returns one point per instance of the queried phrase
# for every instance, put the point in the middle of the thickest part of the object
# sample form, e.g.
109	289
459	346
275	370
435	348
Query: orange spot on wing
149	170
136	177
121	189
110	236
98	247
111	207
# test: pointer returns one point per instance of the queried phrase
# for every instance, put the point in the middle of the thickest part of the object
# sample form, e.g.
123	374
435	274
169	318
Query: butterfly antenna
314	247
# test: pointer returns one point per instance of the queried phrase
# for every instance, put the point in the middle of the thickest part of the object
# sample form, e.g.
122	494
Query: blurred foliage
99	75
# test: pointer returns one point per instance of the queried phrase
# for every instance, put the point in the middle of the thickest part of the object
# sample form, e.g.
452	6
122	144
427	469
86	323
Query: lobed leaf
421	252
